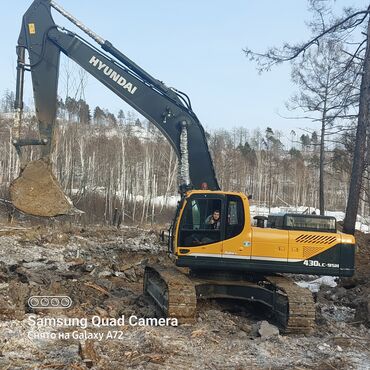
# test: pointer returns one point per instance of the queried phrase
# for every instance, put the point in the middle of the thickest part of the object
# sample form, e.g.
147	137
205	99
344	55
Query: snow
314	285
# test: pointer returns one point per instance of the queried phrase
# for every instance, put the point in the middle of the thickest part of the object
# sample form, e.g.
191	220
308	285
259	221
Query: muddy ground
101	270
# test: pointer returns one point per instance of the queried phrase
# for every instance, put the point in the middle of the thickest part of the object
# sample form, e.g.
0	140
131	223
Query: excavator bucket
37	191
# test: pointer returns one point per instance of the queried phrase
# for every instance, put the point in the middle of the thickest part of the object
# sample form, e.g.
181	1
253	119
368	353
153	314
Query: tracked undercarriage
176	294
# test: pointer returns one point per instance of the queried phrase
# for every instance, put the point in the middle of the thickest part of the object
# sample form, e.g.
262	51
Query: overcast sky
195	46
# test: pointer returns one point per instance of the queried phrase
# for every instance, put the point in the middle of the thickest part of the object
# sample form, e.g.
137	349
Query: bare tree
326	92
339	29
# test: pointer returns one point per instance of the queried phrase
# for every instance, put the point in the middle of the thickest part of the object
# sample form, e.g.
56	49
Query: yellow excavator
216	252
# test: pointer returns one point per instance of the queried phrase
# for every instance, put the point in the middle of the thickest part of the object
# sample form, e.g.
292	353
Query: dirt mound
350	299
362	270
37	191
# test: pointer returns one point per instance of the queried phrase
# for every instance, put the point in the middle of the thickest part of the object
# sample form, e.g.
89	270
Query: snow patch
314	285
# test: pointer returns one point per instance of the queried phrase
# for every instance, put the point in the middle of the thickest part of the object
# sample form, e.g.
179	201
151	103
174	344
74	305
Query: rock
323	347
363	311
105	283
71	275
343	342
113	306
242	335
88	267
309	354
130	275
13	303
75	261
349	283
254	330
339	293
104	273
26	275
101	312
266	330
88	353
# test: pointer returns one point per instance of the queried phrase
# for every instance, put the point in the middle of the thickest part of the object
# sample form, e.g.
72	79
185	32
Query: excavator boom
168	109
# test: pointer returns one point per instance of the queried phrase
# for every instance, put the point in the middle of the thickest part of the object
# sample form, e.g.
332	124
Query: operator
214	220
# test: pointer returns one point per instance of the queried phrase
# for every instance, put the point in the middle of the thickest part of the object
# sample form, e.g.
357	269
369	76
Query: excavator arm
168	109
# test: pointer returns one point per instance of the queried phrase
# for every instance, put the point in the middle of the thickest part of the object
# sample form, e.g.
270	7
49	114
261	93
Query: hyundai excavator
228	259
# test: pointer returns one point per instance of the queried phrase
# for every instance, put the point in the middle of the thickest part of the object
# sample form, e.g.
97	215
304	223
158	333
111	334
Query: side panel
321	267
337	260
269	245
239	246
315	249
347	259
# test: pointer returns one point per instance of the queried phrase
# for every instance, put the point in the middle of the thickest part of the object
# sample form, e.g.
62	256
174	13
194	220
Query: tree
84	115
305	141
314	138
325	91
7	101
272	145
248	153
110	118
72	108
293	134
358	56
99	115
121	117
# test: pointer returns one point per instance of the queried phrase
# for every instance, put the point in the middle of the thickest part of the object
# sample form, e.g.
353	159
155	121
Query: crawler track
175	293
172	291
300	310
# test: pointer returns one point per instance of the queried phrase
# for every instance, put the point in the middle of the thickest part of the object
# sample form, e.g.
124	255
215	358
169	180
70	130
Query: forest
107	162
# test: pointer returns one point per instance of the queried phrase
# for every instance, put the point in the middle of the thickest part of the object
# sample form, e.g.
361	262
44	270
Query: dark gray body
154	100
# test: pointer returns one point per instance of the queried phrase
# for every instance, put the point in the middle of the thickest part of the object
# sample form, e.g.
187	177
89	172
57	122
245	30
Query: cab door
195	236
238	238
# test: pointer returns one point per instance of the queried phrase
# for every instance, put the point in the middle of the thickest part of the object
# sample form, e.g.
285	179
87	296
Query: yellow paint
31	28
214	248
266	242
241	244
269	243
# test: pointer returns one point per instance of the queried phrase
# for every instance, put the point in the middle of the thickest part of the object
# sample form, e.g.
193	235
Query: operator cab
210	218
305	222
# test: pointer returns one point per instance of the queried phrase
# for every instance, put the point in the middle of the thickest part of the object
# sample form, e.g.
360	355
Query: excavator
215	251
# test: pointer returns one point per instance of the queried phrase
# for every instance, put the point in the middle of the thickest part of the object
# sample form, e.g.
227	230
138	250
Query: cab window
235	216
199	224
